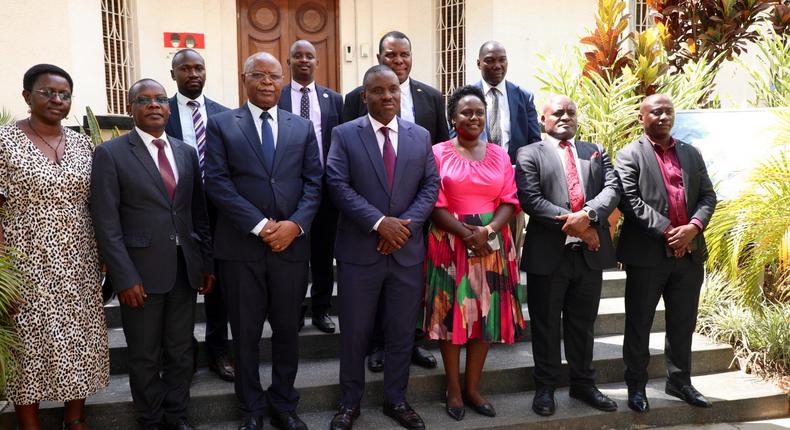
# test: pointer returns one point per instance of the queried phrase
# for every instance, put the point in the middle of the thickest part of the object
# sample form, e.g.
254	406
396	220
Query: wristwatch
491	232
592	215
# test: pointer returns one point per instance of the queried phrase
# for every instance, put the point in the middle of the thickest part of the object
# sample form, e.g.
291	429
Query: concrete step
613	286
744	398
314	344
508	369
775	424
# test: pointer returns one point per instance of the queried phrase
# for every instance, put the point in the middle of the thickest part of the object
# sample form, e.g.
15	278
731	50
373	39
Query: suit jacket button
172	237
174	213
271	181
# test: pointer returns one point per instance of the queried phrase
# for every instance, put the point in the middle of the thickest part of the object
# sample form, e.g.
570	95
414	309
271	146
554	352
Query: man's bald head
249	63
657	116
559	117
489	46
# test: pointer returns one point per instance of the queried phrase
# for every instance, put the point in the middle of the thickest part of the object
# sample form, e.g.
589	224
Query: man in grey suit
152	230
668	200
568	188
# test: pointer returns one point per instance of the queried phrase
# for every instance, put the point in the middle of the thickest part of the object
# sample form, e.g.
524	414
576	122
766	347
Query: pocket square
595	154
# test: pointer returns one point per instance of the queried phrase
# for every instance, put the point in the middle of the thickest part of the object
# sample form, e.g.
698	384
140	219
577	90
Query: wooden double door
273	25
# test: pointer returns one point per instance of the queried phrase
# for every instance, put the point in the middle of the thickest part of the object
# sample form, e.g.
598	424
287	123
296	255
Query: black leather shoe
593	397
376	360
323	322
181	424
287	421
422	357
251	423
637	401
455	413
404	415
485	409
543	403
223	367
344	418
688	394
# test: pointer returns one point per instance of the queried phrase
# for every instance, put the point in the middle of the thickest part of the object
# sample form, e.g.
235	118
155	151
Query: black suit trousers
270	288
159	339
322	245
569	296
678	281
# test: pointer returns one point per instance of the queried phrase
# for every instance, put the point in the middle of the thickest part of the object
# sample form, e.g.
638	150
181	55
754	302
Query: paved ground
780	424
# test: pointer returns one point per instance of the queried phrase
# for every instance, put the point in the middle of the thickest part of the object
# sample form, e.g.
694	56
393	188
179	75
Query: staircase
507	384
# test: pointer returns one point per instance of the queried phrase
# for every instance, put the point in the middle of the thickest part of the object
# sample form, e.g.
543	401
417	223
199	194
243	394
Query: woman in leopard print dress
44	189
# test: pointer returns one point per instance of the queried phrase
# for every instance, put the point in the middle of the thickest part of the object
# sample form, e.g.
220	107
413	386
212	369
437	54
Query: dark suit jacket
429	111
524	128
136	223
244	191
358	187
331	105
173	127
543	194
645	203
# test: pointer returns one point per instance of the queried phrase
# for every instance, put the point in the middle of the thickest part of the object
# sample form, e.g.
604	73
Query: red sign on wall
185	40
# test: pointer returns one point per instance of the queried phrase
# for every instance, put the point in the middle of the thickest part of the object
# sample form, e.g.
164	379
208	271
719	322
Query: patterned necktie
304	106
389	157
165	170
267	140
200	135
494	130
572	175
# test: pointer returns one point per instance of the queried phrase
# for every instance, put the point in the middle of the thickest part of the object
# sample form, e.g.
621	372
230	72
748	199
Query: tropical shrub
770	74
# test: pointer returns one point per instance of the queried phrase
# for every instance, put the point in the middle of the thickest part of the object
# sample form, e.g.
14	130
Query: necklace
55	148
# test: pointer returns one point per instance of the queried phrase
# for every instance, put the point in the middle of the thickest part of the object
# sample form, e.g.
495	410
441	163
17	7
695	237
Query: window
640	15
118	60
451	41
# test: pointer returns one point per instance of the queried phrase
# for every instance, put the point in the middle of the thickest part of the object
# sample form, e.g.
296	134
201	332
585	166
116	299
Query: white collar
556	142
148	138
297	87
182	100
257	111
393	125
406	85
502	87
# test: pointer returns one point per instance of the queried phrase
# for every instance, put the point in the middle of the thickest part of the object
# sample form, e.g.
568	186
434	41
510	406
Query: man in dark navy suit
322	107
189	112
383	179
263	173
420	104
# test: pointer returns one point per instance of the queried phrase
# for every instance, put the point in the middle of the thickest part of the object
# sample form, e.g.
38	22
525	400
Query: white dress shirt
504	110
560	151
393	134
256	118
154	151
185	115
406	102
315	111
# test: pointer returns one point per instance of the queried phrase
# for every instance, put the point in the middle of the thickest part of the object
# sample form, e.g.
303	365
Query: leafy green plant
11	281
94	129
5	117
771	72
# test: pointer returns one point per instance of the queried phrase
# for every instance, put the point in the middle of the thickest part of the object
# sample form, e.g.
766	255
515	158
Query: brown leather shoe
223	367
344	418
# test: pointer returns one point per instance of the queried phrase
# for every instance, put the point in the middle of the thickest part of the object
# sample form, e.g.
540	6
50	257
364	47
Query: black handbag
107	291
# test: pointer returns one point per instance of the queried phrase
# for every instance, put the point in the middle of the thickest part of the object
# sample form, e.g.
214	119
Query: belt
574	246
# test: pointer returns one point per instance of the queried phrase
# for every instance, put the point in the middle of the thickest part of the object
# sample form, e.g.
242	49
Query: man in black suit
263	173
568	188
189	110
149	215
420	104
322	107
668	200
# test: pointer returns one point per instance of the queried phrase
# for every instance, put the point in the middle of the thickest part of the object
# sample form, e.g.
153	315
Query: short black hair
378	68
34	72
393	35
458	94
134	88
182	52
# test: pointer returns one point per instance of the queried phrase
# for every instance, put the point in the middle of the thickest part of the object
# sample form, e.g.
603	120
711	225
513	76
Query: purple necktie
200	134
164	168
389	157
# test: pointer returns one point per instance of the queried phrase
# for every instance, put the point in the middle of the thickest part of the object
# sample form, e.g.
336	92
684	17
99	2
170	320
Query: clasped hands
135	296
279	234
679	238
477	240
393	234
577	224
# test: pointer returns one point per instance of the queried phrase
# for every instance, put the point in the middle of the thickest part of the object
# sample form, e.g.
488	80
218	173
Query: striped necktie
200	135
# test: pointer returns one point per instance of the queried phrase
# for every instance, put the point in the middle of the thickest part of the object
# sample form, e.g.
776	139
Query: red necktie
572	175
389	157
164	169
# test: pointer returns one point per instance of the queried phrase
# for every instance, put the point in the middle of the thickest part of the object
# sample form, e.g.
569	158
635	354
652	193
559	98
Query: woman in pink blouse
472	293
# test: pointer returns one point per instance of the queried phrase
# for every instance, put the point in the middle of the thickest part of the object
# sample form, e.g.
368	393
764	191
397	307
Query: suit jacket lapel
651	164
323	104
418	99
247	126
144	157
283	137
285	98
512	103
584	151
405	141
175	117
685	163
181	166
550	155
369	141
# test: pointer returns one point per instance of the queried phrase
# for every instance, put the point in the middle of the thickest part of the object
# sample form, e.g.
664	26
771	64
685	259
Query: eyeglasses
259	76
49	94
145	101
